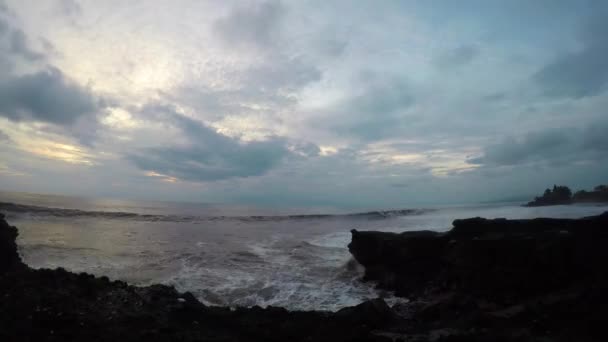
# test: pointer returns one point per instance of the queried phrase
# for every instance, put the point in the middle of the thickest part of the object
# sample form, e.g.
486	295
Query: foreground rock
514	279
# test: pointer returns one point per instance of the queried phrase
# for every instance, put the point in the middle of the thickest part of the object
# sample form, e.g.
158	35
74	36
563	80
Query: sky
303	103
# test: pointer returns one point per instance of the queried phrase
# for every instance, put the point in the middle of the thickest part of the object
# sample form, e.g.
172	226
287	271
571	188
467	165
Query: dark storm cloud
461	55
589	143
209	155
45	96
534	146
576	75
582	73
251	25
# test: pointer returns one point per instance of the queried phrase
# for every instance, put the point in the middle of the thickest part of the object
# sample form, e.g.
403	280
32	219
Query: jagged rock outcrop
488	257
9	258
543	278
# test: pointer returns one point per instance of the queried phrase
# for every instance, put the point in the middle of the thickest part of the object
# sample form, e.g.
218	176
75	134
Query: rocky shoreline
485	280
521	280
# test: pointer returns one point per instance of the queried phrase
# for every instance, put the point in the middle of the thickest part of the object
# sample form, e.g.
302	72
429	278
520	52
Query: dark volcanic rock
9	258
387	256
512	280
488	257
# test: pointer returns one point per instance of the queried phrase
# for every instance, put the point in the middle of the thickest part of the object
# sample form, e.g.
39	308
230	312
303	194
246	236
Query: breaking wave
33	210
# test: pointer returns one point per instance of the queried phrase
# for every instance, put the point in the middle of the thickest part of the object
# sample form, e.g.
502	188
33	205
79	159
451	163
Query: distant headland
561	194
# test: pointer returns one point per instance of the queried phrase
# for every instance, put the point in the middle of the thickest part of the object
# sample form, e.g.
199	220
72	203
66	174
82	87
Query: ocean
227	255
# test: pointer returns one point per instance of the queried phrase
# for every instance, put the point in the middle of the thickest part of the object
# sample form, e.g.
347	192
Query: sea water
227	255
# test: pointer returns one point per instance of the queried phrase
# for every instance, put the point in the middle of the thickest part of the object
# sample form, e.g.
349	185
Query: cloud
282	73
15	48
532	147
272	84
456	57
565	145
69	7
253	25
45	96
595	137
33	90
19	45
576	75
312	102
494	97
582	73
4	137
374	111
208	155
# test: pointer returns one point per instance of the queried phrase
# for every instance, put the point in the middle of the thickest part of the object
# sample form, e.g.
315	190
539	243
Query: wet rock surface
485	280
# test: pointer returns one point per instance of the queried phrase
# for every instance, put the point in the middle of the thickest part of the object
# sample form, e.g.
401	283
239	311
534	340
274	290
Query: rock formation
563	195
539	276
559	195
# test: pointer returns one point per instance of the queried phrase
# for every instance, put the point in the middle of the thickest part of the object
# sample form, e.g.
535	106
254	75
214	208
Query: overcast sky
303	103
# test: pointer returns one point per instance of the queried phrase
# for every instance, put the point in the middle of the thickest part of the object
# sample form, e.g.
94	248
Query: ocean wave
35	247
33	210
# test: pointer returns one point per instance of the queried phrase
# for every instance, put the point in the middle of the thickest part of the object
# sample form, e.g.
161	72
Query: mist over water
226	255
